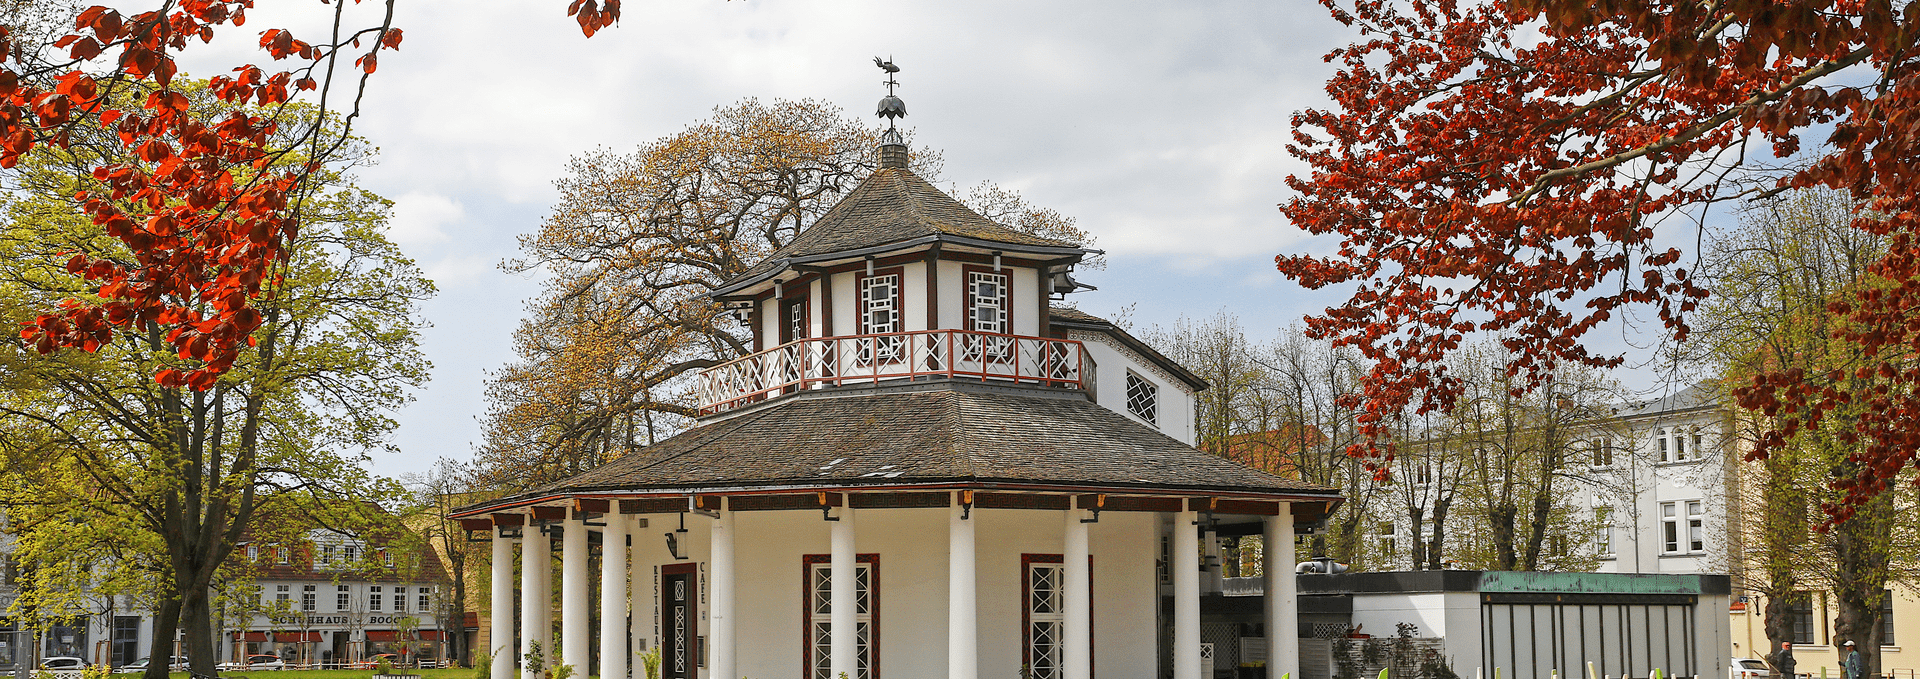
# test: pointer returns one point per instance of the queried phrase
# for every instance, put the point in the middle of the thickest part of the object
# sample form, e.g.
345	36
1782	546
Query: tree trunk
195	609
1501	519
1440	507
1415	516
1537	535
166	624
457	632
1783	526
1860	547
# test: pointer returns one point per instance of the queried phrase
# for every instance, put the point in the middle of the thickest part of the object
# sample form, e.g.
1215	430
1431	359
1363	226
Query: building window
373	598
1670	528
794	324
425	603
1045	622
817	616
1143	398
326	554
1384	537
1602	452
1662	455
1800	610
1696	527
253	552
309	598
1697	450
1886	618
879	315
1693	523
283	596
399	599
1679	446
987	313
351	553
343	600
285	555
987	303
1603	531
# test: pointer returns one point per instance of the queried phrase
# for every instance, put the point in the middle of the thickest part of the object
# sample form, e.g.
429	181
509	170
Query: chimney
893	154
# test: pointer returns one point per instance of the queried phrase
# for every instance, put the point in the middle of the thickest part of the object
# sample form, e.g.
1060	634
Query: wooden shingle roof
950	435
893	205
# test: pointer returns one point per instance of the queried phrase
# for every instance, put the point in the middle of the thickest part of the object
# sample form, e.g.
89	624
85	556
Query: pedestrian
1784	661
1856	666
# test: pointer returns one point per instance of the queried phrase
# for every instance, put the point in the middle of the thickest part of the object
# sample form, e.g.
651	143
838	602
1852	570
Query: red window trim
966	294
806	609
783	307
1026	607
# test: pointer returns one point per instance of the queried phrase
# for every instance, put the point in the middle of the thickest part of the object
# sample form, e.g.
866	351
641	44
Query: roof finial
891	107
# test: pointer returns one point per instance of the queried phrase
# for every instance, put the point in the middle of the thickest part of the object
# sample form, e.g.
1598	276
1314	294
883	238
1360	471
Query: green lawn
448	673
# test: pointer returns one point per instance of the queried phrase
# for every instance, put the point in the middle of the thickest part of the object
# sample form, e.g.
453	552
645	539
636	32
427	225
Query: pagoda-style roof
895	209
943	434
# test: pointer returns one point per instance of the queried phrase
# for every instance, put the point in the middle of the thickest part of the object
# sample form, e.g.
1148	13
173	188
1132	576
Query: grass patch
437	673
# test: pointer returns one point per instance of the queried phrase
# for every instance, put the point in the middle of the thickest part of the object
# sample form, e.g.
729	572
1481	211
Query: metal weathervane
891	107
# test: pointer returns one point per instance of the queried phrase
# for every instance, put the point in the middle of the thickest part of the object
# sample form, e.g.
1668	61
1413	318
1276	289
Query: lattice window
820	618
987	312
399	599
796	321
425	601
1143	398
309	598
879	315
373	598
1045	624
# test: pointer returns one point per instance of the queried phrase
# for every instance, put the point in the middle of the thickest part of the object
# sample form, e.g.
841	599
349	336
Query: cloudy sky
1161	126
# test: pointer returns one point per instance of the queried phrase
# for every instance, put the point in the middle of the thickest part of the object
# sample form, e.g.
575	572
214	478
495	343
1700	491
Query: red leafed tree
1510	167
209	209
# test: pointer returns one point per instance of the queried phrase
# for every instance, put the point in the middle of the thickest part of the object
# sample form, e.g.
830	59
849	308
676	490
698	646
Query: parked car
1749	668
254	663
63	663
135	667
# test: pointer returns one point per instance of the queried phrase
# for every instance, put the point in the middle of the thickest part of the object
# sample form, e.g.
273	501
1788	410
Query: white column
1077	636
500	631
963	632
842	617
643	614
721	629
536	595
613	595
1215	575
1283	602
574	615
1186	595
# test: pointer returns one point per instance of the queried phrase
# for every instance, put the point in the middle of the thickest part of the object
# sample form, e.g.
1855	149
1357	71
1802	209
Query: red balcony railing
870	359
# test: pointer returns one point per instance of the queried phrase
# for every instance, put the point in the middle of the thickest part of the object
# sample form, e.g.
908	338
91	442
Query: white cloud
418	219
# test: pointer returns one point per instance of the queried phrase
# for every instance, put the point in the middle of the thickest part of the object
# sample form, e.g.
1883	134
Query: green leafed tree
111	479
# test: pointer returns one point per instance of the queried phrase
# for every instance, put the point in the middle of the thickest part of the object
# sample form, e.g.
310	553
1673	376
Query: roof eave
792	486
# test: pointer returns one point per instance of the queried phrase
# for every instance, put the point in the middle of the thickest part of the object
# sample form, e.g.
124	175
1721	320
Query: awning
297	637
250	636
471	620
433	635
383	635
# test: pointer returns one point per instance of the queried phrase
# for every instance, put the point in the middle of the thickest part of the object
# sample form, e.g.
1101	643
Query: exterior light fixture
673	541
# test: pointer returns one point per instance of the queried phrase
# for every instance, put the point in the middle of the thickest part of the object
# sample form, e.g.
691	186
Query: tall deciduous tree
175	476
1503	168
1776	276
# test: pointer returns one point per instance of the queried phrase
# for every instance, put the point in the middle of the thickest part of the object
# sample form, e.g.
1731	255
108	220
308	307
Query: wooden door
679	622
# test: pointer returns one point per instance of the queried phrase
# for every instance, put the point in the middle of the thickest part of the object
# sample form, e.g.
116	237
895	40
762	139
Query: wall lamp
673	540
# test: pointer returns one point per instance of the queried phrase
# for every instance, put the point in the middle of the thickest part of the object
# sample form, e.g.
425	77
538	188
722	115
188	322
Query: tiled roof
1072	315
891	206
950	435
1701	395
